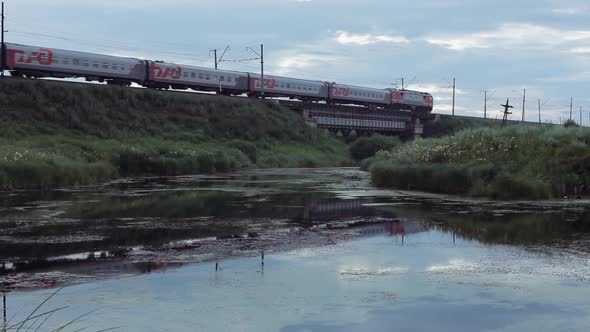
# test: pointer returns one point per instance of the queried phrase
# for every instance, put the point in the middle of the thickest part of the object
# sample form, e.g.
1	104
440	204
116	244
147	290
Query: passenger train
34	62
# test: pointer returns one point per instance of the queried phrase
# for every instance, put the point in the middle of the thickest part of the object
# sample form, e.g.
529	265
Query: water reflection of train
392	228
333	208
366	218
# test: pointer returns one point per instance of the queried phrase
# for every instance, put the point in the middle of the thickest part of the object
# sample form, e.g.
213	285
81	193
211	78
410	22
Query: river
292	250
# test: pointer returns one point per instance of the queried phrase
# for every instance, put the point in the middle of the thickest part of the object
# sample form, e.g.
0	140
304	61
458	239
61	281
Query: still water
186	254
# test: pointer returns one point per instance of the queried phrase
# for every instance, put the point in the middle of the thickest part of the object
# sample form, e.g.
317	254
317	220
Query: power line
485	102
2	45
221	57
108	45
523	103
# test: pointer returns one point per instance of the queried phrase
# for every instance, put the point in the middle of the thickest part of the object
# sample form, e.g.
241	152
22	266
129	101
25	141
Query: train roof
289	78
79	52
405	90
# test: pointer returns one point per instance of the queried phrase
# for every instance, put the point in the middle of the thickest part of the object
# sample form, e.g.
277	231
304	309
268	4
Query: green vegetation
446	125
38	319
60	134
519	162
366	147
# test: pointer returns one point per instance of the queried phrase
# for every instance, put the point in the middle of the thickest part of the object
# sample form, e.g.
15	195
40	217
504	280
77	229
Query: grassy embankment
447	125
518	162
58	134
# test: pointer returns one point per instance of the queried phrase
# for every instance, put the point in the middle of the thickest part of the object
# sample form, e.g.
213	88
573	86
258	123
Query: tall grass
518	162
57	134
39	319
366	147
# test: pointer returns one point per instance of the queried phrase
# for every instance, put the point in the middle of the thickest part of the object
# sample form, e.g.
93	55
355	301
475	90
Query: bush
476	179
366	147
247	148
536	162
441	178
506	186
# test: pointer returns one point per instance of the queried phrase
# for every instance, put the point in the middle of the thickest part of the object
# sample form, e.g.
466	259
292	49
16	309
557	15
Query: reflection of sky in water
370	284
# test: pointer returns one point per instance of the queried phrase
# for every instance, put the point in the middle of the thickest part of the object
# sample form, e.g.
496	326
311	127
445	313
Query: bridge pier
417	128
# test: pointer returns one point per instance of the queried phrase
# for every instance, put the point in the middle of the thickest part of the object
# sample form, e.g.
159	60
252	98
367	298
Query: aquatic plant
528	162
40	318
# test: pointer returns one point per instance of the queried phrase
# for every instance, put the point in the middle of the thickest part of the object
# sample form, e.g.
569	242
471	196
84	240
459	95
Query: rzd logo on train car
43	57
340	92
174	73
397	95
269	83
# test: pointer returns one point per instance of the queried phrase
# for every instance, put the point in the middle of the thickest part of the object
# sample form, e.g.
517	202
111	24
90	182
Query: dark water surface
339	255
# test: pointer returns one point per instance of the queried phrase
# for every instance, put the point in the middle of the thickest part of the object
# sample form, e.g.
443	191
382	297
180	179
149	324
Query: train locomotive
36	62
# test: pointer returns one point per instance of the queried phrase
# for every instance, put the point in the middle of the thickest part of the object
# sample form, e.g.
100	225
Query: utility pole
453	96
3	46
485	104
506	112
221	57
523	103
581	116
261	57
262	70
571	106
539	101
402	83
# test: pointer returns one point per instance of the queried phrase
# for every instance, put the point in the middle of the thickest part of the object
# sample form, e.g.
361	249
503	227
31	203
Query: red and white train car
277	86
342	93
35	61
409	99
165	75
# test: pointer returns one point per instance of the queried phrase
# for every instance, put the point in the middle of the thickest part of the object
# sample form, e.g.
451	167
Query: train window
288	86
201	76
76	62
229	78
221	78
65	61
185	74
85	63
95	65
105	66
122	68
114	67
207	77
193	75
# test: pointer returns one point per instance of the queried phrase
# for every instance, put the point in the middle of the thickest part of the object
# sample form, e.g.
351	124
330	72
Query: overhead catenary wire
124	46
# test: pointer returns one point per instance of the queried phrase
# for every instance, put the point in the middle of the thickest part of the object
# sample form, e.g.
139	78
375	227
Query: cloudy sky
501	46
